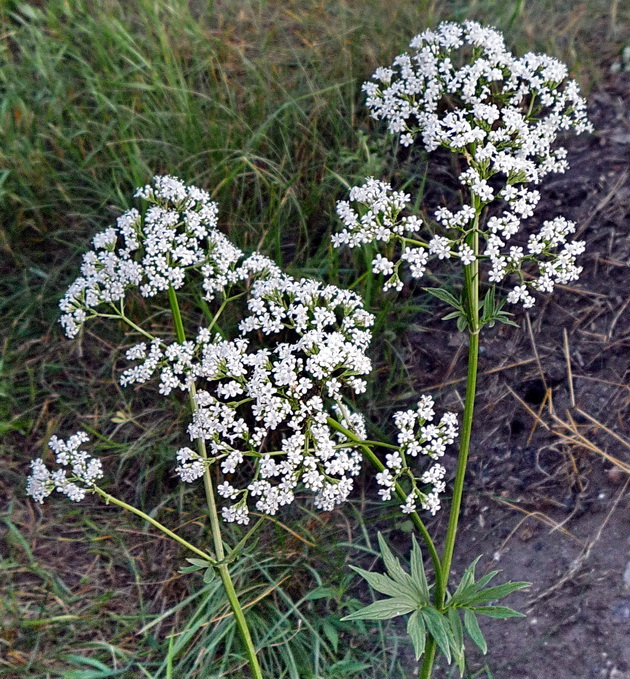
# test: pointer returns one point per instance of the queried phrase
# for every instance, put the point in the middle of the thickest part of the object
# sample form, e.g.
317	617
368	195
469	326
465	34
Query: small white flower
466	254
79	472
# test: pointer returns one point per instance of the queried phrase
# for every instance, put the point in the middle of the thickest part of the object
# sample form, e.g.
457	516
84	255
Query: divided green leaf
197	565
384	609
399	575
472	627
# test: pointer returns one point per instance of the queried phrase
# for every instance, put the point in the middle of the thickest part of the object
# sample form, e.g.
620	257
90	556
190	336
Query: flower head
77	475
459	88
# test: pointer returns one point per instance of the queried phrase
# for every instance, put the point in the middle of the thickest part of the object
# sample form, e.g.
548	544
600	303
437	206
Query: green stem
471	290
369	454
215	524
134	510
129	322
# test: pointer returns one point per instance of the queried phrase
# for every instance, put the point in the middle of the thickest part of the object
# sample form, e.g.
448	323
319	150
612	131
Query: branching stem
471	293
215	524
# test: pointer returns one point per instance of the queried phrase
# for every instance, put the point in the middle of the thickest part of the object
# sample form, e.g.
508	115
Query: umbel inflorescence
459	88
263	398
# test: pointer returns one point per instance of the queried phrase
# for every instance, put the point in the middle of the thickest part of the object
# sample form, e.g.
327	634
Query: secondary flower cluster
417	437
81	472
152	252
263	396
462	90
277	394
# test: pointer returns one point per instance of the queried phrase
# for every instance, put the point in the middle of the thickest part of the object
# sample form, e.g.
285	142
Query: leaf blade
474	632
439	630
385	609
417	630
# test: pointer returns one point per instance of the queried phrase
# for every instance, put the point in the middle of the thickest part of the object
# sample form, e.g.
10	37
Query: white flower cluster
417	436
269	405
177	233
74	482
505	111
265	396
462	90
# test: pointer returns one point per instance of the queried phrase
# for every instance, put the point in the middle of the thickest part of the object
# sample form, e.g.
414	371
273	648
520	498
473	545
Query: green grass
260	103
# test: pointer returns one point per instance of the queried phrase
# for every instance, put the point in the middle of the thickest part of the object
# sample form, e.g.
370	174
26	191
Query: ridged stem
215	524
471	292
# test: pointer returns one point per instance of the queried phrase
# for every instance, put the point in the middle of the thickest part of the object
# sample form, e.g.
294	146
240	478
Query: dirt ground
546	502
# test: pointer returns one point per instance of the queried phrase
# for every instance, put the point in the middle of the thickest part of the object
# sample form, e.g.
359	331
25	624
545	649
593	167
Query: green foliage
411	594
468	599
408	593
491	309
200	565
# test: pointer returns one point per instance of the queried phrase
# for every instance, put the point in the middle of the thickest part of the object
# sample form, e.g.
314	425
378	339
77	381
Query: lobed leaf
384	609
472	627
398	574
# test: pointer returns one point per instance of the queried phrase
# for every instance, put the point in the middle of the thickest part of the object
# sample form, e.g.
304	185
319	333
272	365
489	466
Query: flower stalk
471	292
110	499
215	524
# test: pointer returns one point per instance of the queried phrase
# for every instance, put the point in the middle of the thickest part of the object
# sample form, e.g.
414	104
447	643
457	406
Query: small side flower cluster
460	89
177	234
417	436
372	214
77	476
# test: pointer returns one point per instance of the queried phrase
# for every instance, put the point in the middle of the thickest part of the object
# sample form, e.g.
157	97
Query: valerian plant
266	398
272	362
460	89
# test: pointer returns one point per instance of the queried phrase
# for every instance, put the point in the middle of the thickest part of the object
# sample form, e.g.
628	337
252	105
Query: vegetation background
260	103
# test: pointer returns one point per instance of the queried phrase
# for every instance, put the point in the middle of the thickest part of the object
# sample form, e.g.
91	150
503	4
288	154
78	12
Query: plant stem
215	524
471	291
369	454
129	322
134	510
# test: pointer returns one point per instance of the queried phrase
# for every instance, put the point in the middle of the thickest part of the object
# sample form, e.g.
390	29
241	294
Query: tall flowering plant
460	89
269	392
267	408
